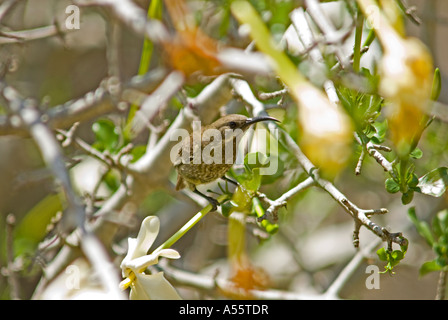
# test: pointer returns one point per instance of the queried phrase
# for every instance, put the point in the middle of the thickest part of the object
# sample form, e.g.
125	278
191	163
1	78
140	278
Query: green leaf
443	218
397	255
382	255
392	258
137	152
440	223
435	182
271	178
416	153
256	160
413	181
406	197
428	267
226	208
32	228
442	260
381	129
251	181
106	135
251	178
436	85
112	180
392	186
422	227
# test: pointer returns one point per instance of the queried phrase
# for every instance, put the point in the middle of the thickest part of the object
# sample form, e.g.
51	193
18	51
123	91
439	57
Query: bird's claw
214	203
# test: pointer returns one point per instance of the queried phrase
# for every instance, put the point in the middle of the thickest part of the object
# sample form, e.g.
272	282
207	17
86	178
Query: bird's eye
232	124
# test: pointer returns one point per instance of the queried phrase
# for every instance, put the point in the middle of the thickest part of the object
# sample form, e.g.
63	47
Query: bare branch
338	284
331	34
275	205
134	17
93	104
214	284
29	35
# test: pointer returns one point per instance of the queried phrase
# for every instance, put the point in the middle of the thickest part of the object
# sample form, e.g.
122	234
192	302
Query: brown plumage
217	153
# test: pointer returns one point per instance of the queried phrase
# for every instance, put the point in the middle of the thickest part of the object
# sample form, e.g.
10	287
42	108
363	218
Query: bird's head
237	121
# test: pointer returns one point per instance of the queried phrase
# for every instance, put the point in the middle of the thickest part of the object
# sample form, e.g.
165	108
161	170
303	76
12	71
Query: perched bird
206	155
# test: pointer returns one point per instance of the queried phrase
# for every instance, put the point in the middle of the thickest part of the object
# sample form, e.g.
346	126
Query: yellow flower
406	78
327	131
406	73
146	286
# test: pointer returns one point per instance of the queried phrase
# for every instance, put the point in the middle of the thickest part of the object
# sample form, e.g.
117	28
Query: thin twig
13	280
331	34
275	205
338	284
410	11
29	35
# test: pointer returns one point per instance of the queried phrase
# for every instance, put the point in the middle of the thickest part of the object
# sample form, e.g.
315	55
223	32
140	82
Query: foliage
436	236
338	114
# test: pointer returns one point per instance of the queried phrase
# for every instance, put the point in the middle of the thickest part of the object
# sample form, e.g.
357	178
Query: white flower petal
137	265
146	236
169	253
141	263
132	243
153	287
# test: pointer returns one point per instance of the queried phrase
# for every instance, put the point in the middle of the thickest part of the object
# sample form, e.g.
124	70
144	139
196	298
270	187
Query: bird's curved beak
253	120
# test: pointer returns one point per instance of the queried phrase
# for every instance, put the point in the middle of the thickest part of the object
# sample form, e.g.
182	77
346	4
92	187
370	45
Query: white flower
146	286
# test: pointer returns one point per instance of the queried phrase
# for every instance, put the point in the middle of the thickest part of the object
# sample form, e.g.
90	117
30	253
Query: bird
216	155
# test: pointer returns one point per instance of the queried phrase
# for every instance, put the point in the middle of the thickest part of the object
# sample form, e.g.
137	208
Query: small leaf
438	249
271	178
422	227
392	186
106	136
226	208
137	152
256	160
252	181
428	267
440	223
443	218
407	197
435	182
32	228
442	261
413	181
436	85
397	255
416	153
382	255
393	258
381	129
